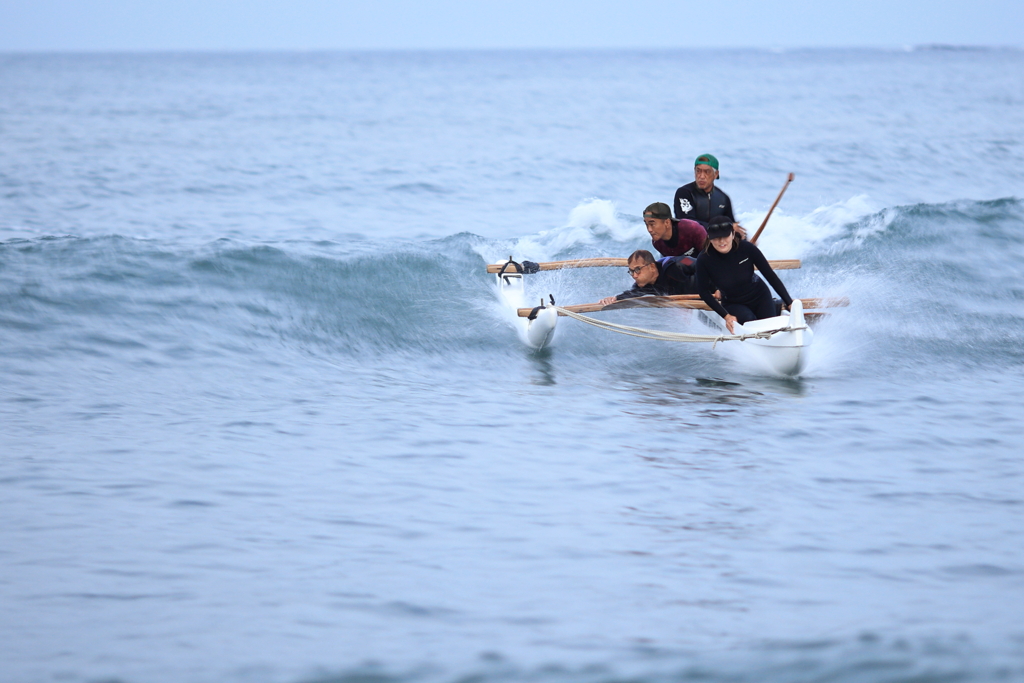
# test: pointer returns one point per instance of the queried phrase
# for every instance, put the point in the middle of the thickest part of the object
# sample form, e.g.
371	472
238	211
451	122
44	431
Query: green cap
658	210
707	159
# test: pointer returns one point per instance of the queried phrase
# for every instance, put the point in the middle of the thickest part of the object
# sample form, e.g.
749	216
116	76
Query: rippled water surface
262	418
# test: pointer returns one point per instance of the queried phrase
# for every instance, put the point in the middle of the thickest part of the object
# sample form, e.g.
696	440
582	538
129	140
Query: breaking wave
941	280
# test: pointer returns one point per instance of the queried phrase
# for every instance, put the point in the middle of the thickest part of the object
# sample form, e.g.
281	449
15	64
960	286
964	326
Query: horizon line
919	47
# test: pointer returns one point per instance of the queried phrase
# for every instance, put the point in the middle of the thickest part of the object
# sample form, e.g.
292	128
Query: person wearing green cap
700	200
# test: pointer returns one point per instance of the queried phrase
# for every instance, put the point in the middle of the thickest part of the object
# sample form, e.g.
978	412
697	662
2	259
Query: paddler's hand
730	320
740	230
607	300
717	294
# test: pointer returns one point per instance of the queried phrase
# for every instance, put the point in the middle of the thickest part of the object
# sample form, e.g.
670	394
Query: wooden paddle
785	264
765	221
676	301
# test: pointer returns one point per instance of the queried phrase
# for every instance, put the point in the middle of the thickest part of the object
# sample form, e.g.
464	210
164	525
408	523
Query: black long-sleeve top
733	274
695	204
675	276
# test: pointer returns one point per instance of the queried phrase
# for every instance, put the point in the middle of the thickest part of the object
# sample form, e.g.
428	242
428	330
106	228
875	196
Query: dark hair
641	255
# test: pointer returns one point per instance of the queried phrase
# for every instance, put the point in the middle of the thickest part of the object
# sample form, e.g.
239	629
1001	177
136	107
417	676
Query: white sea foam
598	225
789	236
593	228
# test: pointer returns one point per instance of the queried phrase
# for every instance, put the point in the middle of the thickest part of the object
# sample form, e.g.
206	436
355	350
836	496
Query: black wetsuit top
697	205
676	275
733	274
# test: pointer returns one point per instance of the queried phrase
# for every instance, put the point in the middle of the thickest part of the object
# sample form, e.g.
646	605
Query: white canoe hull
784	353
536	333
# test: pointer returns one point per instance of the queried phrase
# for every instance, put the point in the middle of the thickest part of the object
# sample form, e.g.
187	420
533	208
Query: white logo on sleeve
684	205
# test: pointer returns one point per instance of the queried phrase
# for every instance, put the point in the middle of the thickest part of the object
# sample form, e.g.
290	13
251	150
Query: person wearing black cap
671	237
662	277
700	200
727	264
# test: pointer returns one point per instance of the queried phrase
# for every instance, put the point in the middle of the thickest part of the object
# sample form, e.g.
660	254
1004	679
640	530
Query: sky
140	25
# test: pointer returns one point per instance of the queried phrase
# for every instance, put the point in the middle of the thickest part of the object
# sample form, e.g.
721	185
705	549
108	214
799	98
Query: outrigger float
779	344
535	330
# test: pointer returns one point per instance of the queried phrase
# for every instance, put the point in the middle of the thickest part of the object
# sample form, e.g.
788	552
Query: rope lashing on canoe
660	335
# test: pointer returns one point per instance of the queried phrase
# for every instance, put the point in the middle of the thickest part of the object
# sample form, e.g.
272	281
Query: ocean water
263	419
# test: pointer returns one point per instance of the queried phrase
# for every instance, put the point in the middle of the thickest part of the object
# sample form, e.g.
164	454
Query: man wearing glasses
700	200
663	277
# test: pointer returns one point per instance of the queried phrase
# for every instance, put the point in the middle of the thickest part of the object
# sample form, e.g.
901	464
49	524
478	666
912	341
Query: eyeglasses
636	271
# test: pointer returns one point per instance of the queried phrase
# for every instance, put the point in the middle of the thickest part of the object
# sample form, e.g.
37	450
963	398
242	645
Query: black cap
719	226
658	210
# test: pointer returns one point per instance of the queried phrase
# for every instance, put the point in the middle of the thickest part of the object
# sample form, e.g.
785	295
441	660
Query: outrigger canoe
778	345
